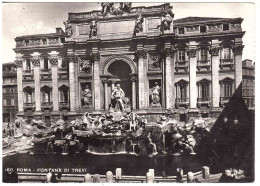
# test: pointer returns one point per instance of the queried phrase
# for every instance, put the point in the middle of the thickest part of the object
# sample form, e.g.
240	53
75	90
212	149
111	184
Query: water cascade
153	144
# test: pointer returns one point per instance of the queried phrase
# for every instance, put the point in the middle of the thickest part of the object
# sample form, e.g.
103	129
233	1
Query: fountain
153	144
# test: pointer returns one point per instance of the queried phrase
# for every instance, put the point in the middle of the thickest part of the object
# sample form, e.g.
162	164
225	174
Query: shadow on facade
233	144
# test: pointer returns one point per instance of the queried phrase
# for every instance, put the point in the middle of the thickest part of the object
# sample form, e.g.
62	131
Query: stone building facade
9	88
190	65
248	85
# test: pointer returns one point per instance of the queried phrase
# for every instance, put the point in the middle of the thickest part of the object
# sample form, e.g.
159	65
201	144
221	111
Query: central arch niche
120	71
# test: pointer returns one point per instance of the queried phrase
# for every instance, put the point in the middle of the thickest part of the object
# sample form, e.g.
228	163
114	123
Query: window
4	102
228	89
183	92
225	27
181	55
181	30
28	97
46	97
45	63
44	41
12	102
203	54
204	91
202	29
226	53
64	95
28	64
46	94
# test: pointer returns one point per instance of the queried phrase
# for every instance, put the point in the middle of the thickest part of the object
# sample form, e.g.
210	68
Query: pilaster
215	90
141	55
72	59
36	70
238	50
54	74
169	96
192	53
19	69
96	80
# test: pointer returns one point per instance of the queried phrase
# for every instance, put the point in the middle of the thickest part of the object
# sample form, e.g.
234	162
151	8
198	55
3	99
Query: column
192	78
54	75
37	83
168	53
96	80
133	79
105	81
141	55
72	59
19	69
215	90
112	85
238	50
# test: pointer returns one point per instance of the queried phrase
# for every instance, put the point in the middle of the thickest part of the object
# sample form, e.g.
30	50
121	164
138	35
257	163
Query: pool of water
100	164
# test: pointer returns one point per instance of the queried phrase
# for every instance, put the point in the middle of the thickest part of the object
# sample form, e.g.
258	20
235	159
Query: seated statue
87	97
117	96
155	95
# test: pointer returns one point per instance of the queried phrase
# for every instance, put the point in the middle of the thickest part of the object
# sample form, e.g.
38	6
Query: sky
39	18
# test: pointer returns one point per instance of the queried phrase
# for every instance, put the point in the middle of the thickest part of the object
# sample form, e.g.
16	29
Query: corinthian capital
141	53
95	56
36	61
19	63
168	52
54	60
192	52
72	58
238	50
214	51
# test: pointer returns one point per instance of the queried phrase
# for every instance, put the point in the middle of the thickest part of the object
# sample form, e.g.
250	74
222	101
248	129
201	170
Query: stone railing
226	63
181	65
203	64
181	102
203	102
190	177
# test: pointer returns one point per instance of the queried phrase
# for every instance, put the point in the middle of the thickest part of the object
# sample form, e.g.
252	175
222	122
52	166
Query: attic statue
138	24
93	28
167	18
68	28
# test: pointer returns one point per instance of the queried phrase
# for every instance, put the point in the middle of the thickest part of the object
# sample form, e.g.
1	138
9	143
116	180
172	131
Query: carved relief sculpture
68	29
86	97
154	62
138	25
155	95
93	28
167	18
85	65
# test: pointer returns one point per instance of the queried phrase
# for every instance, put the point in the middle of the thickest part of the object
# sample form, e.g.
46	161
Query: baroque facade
9	87
191	65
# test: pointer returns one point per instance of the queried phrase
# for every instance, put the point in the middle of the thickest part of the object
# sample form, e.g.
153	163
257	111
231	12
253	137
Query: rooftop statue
138	24
167	18
115	8
68	28
93	28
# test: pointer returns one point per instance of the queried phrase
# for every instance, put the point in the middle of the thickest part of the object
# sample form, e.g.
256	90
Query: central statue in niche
117	97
